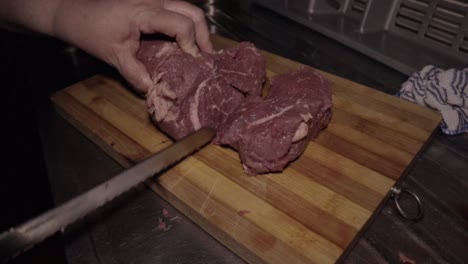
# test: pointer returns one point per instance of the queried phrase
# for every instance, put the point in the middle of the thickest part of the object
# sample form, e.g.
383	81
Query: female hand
111	30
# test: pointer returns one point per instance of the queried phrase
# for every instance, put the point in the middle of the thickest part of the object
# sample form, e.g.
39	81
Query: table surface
124	230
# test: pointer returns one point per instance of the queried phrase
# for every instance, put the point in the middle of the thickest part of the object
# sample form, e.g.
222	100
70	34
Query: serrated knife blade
21	238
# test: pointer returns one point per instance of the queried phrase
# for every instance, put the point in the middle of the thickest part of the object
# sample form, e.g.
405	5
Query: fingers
180	20
171	24
202	34
134	71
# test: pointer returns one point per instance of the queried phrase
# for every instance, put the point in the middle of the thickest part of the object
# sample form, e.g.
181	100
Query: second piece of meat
270	133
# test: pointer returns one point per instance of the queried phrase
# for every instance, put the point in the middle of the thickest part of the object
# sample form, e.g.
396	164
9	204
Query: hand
111	29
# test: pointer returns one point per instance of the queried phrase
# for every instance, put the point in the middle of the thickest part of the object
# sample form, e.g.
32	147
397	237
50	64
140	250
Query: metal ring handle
395	192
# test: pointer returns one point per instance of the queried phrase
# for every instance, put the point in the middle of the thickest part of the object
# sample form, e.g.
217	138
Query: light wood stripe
364	126
407	108
281	196
262	214
349	168
121	147
145	134
390	122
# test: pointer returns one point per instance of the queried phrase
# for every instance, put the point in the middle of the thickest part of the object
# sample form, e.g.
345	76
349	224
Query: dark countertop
48	161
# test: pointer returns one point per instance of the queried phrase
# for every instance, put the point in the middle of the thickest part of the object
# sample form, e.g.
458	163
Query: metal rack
403	34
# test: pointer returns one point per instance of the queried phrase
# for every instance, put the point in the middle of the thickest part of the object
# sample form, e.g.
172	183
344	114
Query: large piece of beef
222	91
270	133
189	92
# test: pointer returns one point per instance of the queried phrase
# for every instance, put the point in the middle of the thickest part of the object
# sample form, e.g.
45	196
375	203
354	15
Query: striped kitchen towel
443	90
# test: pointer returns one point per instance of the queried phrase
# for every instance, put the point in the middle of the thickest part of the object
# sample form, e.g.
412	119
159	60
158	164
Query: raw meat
189	93
243	67
271	133
222	91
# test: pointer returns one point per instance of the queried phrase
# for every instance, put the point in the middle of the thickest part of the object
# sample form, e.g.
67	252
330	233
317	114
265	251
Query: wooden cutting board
307	214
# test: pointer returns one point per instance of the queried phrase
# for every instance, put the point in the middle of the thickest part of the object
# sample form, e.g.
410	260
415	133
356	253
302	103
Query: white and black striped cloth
443	90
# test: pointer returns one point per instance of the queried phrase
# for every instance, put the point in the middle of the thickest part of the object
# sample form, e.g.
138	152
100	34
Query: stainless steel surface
403	34
23	237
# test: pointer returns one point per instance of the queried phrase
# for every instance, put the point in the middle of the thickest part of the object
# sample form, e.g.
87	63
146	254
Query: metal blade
19	239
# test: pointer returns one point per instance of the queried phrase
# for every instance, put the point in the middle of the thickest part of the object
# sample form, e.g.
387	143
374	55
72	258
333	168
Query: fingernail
195	52
192	50
147	81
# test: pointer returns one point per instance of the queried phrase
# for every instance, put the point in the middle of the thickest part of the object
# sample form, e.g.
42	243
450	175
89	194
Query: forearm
34	15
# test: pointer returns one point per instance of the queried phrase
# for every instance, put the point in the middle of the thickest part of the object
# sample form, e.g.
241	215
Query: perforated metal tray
403	34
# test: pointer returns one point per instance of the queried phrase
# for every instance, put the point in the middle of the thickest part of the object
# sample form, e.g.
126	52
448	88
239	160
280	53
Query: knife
23	237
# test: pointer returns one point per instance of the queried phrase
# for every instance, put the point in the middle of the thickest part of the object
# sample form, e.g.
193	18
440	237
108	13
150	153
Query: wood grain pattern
307	214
